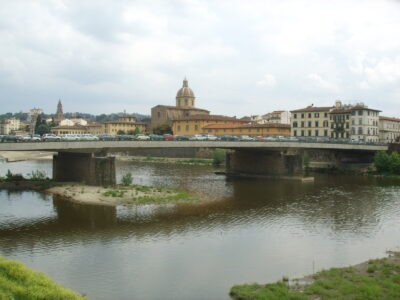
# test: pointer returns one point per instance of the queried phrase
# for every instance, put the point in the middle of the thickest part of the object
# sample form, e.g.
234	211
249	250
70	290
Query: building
8	126
74	129
72	122
339	120
389	129
194	124
59	113
185	107
278	117
364	123
122	125
311	121
268	129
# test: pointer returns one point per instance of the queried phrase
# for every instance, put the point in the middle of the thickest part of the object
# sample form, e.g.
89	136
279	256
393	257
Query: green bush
385	163
219	157
37	175
127	179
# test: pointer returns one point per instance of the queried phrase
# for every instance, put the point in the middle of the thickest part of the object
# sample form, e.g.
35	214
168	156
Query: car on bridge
182	138
246	138
31	138
50	137
210	137
229	138
142	137
87	137
107	137
156	137
11	138
70	137
169	137
197	137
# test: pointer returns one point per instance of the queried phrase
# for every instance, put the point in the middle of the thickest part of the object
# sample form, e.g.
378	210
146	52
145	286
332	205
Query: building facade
194	124
8	126
269	129
389	129
364	123
311	121
185	107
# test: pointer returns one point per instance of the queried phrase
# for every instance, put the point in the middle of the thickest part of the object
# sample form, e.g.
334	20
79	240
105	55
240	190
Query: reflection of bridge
87	161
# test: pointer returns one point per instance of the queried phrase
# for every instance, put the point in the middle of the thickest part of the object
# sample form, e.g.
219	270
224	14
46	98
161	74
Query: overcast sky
240	57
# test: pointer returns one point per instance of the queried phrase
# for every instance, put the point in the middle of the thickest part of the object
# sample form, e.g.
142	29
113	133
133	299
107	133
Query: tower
59	113
185	96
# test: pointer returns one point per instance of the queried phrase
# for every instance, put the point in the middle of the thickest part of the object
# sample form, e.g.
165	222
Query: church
185	107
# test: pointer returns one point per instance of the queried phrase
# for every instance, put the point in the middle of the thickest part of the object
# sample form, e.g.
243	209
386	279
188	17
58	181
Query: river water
252	230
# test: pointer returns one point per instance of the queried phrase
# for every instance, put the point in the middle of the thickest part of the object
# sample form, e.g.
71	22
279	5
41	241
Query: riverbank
12	156
373	279
122	195
19	282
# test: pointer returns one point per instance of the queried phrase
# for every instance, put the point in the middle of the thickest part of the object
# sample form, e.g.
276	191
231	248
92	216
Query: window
309	124
295	124
316	124
325	132
302	133
360	131
309	133
295	132
309	115
179	127
187	128
316	115
302	124
316	132
196	127
360	122
158	114
325	115
302	116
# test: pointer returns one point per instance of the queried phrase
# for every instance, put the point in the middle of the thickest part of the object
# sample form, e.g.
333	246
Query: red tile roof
312	109
209	117
229	126
389	119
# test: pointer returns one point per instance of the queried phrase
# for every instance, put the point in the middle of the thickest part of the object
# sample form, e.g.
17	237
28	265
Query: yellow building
113	127
311	121
191	125
268	129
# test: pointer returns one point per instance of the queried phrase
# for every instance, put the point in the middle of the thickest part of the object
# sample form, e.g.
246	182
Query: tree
162	129
137	130
382	161
394	163
131	132
119	132
42	129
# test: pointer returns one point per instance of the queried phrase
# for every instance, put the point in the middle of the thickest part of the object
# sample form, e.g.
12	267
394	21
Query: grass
19	282
150	195
376	279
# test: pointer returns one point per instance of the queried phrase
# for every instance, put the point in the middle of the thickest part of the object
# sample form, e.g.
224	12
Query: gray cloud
241	58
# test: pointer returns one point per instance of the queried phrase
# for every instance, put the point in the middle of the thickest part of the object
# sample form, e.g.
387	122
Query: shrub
219	157
127	179
382	161
38	175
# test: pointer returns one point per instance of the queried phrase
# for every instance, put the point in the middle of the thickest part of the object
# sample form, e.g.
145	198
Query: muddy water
250	231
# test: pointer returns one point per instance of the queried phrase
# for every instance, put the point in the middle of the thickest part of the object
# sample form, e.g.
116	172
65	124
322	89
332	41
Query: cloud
134	54
268	80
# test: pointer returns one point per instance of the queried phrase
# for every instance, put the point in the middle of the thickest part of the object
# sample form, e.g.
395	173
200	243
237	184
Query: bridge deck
116	146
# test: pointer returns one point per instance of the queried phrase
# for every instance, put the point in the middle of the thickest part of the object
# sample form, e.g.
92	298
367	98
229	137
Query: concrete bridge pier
263	162
84	168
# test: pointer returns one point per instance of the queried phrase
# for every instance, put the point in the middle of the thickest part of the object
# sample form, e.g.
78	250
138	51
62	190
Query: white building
73	122
8	126
364	123
277	117
389	129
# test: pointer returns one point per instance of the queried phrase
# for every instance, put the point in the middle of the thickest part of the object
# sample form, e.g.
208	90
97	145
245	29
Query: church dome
185	90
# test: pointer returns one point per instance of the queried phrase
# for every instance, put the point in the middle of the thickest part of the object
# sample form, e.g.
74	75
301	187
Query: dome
185	90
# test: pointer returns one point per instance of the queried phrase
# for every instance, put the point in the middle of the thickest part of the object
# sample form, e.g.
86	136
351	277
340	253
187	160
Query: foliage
137	130
380	280
388	164
37	175
219	157
130	132
119	132
13	177
162	129
42	129
127	179
19	282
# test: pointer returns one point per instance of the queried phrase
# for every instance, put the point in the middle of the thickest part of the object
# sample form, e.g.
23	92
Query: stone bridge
87	161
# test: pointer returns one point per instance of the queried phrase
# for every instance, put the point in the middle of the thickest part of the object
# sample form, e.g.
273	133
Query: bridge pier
262	162
83	168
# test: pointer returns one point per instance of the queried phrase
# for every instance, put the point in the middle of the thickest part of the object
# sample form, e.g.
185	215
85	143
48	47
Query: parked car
210	137
50	137
270	139
88	137
246	138
70	137
107	137
182	138
31	138
197	137
124	137
293	139
229	138
169	137
156	137
142	137
12	138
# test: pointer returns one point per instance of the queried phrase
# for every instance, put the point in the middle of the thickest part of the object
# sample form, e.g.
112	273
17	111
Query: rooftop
209	117
313	109
229	126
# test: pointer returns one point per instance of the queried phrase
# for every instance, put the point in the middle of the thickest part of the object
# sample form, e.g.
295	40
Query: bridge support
83	168
261	162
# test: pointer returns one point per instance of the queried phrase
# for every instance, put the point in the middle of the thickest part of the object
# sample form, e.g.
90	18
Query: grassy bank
18	282
372	280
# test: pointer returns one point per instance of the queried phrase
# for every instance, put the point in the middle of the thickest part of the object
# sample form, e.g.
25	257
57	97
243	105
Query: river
252	230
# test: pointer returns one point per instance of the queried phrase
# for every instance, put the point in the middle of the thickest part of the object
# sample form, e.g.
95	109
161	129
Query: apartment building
311	121
389	129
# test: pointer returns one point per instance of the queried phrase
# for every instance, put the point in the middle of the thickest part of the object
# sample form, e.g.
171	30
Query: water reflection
250	230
